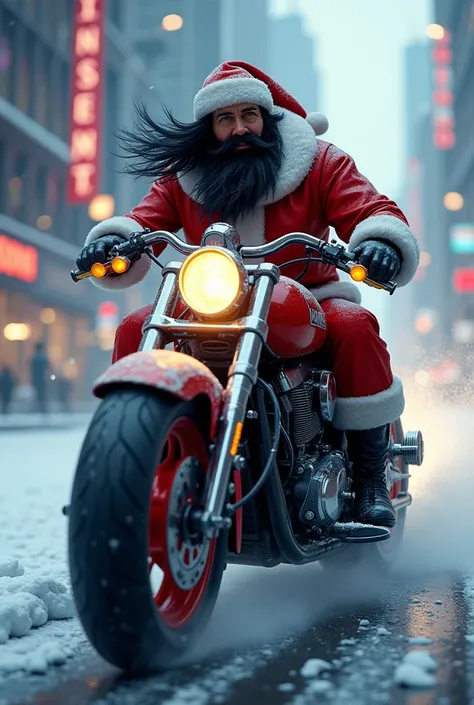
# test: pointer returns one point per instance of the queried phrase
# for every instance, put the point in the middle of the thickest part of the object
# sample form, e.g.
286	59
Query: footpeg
412	449
354	532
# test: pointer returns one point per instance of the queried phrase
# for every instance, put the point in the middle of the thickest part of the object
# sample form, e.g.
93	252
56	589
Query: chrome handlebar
140	242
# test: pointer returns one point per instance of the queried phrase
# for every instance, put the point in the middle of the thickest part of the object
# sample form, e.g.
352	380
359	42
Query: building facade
418	202
245	32
40	233
457	18
293	59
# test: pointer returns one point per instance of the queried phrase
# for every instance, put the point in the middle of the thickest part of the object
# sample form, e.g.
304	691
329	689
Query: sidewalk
54	420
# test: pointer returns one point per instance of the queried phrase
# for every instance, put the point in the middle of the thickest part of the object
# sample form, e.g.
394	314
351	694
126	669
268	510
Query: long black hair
231	183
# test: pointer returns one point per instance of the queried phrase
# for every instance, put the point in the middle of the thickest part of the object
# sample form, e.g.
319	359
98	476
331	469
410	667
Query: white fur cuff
392	229
230	91
364	413
119	225
337	290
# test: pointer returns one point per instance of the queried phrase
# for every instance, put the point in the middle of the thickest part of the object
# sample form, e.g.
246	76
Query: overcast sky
360	52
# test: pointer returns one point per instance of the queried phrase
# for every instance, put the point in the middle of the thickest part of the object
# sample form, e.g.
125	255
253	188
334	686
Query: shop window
2	175
62	99
115	13
41	103
17	188
109	144
8	25
41	190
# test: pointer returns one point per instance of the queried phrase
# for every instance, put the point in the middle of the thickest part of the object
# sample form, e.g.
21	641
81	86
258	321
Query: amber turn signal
98	270
120	265
358	273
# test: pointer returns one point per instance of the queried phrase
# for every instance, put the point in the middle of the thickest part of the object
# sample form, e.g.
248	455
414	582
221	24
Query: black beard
233	182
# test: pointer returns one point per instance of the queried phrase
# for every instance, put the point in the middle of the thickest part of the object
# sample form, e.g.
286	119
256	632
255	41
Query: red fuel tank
297	324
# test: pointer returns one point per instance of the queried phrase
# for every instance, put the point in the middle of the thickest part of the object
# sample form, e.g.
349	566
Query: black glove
97	251
381	259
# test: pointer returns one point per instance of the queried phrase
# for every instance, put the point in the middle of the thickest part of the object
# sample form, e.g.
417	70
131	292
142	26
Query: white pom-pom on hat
318	122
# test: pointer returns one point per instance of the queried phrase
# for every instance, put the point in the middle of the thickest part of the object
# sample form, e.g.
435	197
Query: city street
267	624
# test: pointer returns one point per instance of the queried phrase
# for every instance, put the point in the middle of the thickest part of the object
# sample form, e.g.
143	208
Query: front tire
135	471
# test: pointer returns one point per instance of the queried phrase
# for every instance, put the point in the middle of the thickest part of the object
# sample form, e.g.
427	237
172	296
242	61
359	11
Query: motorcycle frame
275	541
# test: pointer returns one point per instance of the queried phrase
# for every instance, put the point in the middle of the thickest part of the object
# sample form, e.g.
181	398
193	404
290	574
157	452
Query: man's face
237	120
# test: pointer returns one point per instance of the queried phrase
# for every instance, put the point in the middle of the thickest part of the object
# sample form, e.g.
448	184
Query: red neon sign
463	280
84	140
18	261
444	136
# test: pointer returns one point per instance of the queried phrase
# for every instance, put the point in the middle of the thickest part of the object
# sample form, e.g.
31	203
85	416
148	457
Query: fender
174	372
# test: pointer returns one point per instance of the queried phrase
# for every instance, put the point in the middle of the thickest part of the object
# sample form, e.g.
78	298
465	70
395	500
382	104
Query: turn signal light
358	273
98	270
120	265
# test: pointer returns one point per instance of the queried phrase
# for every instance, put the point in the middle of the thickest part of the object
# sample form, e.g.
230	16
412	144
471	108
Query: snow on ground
36	607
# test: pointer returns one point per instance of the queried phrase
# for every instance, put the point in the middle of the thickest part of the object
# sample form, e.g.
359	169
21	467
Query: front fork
243	374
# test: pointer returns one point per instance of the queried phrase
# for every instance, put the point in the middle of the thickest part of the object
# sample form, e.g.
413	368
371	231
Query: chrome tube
165	303
242	376
296	238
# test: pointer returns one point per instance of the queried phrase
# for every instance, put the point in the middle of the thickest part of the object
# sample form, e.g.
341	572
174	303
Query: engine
309	398
321	492
320	482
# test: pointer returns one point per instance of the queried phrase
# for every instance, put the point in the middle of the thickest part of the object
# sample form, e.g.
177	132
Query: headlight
213	281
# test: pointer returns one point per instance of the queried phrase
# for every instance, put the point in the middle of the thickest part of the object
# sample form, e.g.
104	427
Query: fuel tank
297	324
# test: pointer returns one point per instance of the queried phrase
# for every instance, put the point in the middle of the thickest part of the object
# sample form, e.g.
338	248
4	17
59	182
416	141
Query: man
252	158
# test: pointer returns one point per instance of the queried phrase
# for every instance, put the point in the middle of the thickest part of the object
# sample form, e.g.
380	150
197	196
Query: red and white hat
239	82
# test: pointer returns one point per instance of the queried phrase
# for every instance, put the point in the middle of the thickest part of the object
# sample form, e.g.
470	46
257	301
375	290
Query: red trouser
368	394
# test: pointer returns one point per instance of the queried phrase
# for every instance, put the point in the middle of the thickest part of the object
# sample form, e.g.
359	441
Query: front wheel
143	464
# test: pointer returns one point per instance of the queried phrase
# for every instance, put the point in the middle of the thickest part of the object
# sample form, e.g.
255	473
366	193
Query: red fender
171	371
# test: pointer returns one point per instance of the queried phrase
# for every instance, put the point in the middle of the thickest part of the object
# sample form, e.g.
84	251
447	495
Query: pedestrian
7	386
40	369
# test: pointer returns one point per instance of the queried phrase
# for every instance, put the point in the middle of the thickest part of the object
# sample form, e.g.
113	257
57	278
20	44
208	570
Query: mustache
231	143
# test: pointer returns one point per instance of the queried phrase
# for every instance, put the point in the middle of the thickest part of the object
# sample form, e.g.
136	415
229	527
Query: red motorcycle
218	451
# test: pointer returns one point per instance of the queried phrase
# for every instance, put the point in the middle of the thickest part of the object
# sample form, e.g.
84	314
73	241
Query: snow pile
26	603
48	653
314	667
10	567
416	670
419	640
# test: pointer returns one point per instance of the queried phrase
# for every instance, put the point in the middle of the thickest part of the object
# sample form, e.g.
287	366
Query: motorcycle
217	451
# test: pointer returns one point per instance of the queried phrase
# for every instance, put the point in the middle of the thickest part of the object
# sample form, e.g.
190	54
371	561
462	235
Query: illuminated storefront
39	302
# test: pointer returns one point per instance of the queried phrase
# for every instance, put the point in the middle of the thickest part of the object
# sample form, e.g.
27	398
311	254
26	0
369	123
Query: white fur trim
318	122
300	146
337	290
119	225
392	229
231	91
364	413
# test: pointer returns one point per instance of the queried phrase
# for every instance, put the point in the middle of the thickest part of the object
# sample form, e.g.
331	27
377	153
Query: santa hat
239	82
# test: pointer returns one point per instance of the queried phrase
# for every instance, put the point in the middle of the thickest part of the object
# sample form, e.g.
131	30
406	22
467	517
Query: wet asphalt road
268	623
436	607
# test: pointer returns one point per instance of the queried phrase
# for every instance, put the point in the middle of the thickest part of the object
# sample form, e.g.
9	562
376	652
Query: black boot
368	453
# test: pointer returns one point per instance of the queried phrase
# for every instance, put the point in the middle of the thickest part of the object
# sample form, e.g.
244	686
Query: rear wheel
379	556
143	583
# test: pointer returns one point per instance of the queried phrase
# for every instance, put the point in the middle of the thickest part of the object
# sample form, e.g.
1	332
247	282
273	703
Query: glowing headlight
212	281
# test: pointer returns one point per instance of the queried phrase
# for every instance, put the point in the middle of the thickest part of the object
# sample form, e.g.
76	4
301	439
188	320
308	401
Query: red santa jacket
318	186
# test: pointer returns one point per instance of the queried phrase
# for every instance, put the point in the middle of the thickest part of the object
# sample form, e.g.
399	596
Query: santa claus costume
318	186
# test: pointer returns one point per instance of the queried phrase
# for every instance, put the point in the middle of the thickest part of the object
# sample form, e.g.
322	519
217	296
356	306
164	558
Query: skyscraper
245	32
293	60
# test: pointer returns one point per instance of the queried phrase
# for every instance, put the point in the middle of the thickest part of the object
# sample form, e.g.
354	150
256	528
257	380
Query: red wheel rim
397	464
175	605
